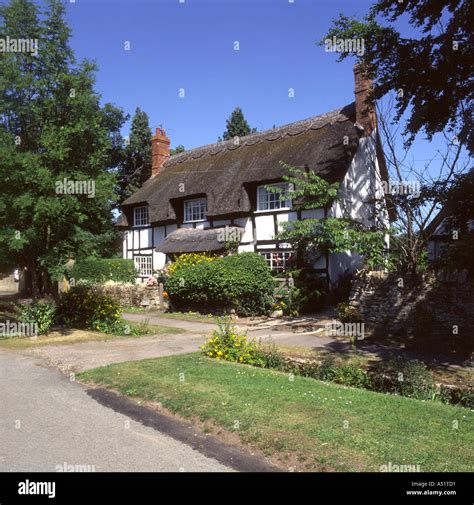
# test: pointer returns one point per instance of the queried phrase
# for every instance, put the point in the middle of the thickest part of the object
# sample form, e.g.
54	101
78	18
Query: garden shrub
271	357
307	295
188	260
42	313
410	378
229	344
344	374
242	282
84	308
100	270
347	314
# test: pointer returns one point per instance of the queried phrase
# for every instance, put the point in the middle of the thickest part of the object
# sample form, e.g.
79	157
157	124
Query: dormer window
272	200
195	210
140	216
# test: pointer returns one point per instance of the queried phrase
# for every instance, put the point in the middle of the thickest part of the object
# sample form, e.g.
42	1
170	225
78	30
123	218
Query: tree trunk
34	283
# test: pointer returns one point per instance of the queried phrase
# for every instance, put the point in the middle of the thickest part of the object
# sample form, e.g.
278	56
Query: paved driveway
82	356
47	420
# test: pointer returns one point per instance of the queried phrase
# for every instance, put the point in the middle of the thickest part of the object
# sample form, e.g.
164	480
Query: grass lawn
74	336
301	423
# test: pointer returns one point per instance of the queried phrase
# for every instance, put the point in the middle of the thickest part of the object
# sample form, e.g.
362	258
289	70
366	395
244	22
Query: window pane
141	216
269	200
278	260
144	265
195	210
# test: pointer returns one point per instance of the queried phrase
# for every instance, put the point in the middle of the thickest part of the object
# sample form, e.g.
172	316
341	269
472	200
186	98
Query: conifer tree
237	125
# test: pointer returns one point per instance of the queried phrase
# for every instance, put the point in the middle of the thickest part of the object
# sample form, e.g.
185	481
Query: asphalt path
50	423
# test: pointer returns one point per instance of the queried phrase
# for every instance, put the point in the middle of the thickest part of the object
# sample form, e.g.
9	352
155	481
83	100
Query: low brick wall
439	307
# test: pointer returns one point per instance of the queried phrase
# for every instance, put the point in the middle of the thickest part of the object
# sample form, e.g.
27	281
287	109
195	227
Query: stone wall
8	284
134	295
435	311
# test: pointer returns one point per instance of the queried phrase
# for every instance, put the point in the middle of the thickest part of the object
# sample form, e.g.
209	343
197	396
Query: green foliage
178	149
135	167
271	357
313	237
229	344
100	270
241	282
415	64
237	125
83	308
336	235
188	259
306	295
52	127
42	313
410	378
457	396
306	189
345	374
348	314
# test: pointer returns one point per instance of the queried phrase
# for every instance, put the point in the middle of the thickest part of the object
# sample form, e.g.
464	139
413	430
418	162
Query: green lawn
302	423
75	336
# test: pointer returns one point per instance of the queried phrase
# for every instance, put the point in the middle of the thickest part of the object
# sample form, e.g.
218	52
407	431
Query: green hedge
101	270
242	282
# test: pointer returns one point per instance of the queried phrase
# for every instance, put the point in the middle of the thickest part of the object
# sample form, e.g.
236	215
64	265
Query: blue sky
190	46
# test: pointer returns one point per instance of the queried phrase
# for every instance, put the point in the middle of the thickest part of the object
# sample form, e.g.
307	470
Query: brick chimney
365	114
160	151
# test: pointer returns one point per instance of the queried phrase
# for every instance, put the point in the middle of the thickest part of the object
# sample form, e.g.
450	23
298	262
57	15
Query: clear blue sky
190	46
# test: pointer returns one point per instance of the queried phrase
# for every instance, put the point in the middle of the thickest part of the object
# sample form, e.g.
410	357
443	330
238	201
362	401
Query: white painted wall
246	223
361	185
265	227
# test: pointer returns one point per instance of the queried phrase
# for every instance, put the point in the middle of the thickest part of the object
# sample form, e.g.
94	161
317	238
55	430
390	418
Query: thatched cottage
196	199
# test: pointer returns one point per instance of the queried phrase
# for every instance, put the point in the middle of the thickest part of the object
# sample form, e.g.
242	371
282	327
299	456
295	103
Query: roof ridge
226	145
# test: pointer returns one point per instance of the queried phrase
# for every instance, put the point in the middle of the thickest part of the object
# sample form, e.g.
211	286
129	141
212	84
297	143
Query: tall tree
237	125
136	166
178	149
58	146
431	73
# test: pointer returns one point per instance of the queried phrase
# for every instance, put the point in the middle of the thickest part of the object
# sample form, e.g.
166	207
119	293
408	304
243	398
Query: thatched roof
186	240
225	171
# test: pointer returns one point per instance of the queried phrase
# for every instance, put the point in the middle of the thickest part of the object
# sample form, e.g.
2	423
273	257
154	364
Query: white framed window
269	200
140	216
277	260
144	265
195	210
